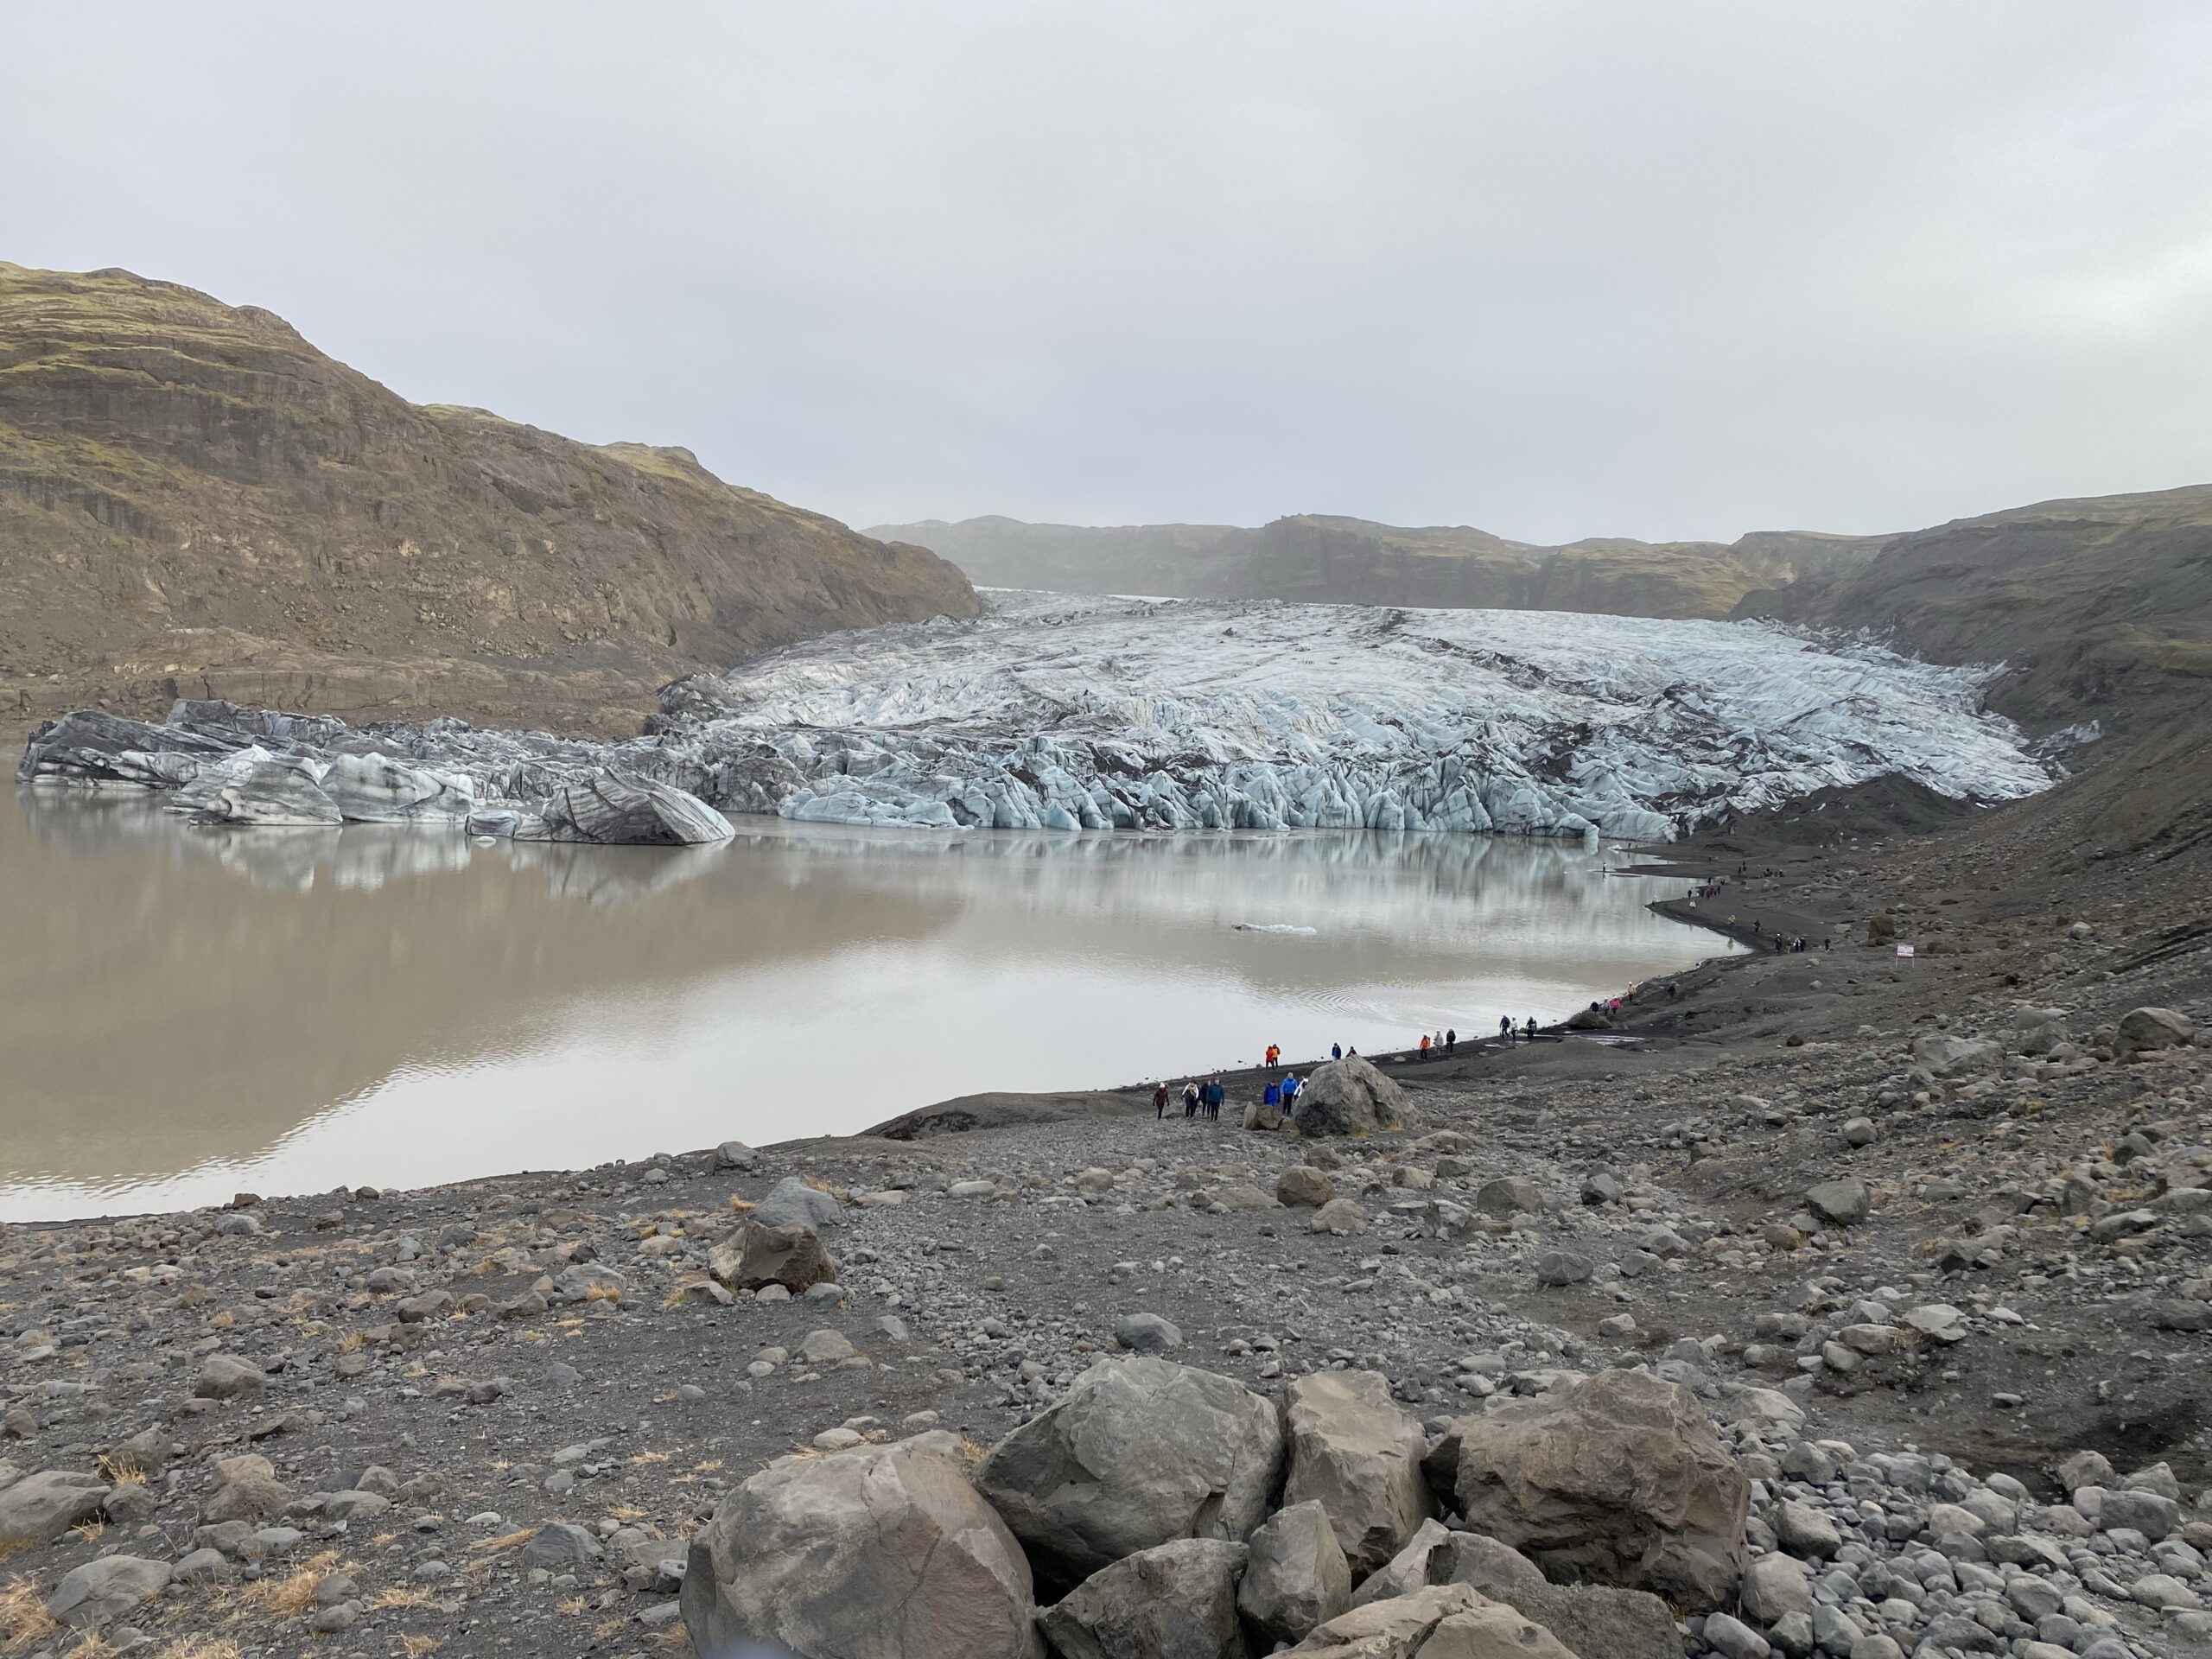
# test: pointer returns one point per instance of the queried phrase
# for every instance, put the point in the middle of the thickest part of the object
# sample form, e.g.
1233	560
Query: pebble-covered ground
1933	1245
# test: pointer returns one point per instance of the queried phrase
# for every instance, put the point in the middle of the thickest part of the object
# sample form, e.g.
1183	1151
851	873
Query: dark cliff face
193	498
1325	560
2099	607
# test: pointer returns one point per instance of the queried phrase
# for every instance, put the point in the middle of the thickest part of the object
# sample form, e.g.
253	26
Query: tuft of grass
570	1607
352	1341
121	1471
507	1540
200	1647
293	1595
399	1595
415	1647
741	1204
23	1618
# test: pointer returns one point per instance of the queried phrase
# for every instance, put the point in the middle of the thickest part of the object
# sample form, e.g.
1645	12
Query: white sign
1904	950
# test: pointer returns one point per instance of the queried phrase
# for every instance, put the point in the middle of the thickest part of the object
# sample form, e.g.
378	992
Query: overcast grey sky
1554	268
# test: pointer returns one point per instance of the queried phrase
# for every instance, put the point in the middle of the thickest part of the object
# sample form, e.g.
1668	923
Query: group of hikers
1203	1097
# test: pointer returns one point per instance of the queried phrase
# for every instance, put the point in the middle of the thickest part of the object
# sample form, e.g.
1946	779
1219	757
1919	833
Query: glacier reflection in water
188	1012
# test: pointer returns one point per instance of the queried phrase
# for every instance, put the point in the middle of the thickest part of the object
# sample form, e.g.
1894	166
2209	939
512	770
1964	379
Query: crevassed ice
1058	712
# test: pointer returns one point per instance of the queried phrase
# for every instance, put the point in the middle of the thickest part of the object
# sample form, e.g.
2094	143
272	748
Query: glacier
1061	713
1065	713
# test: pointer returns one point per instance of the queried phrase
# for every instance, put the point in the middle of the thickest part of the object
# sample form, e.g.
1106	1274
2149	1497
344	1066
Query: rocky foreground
1858	1306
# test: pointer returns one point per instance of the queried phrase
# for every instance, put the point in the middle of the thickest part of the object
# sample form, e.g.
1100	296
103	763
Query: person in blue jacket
1336	1051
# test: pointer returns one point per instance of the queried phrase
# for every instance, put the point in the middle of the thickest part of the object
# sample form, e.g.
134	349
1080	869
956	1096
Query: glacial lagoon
189	1011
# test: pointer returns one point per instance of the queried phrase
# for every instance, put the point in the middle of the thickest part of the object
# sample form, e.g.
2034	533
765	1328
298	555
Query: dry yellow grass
507	1539
351	1341
200	1647
739	1204
414	1647
397	1595
649	1457
121	1471
23	1618
293	1595
570	1607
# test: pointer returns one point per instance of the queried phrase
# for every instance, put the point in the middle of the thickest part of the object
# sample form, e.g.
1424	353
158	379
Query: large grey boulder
750	1255
1446	1622
377	789
246	1489
792	1202
880	1551
42	1506
1943	1054
101	1592
1588	1619
1508	1196
1296	1576
1141	1451
226	1376
254	787
1354	1451
1174	1601
1347	1097
1844	1203
1302	1183
2142	1030
1776	1585
608	808
1618	1480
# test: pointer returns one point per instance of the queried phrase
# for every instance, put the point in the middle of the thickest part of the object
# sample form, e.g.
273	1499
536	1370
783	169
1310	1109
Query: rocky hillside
194	500
2100	607
1350	561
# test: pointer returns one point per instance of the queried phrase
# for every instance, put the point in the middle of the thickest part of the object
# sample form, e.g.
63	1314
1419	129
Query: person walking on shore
1190	1098
1290	1088
1506	1027
1532	1027
1451	1040
1160	1100
1271	1096
1336	1051
1423	1045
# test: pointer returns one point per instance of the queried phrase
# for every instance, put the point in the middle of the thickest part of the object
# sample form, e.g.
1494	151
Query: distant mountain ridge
1329	560
194	500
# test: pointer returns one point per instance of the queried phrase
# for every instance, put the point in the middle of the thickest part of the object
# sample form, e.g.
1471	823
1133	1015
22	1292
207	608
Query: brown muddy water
185	1012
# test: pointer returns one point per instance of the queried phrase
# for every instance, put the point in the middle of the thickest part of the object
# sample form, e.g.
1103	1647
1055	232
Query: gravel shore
1917	1232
